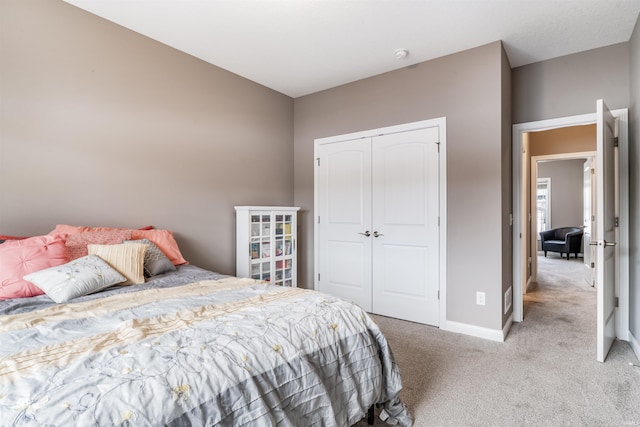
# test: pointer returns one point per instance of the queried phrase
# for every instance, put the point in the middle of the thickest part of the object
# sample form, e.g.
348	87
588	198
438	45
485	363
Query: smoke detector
401	53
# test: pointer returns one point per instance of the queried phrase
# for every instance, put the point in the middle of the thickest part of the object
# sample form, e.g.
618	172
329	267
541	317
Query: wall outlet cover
481	298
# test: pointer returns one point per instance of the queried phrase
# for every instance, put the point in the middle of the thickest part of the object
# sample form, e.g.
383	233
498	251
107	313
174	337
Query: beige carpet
544	374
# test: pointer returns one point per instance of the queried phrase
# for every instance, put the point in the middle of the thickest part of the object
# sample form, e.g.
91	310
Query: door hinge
438	144
615	141
318	219
616	222
438	293
438	221
617	301
318	277
318	160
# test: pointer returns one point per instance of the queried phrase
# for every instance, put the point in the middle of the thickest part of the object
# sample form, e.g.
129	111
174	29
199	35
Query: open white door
605	229
588	197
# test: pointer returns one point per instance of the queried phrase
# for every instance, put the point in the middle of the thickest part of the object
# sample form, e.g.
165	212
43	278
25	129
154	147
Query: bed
190	347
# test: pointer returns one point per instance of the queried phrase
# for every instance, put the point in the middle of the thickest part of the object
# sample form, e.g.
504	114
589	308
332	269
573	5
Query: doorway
521	230
559	196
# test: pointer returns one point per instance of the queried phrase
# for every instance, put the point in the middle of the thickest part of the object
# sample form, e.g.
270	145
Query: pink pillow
77	243
21	257
164	241
73	229
68	229
6	237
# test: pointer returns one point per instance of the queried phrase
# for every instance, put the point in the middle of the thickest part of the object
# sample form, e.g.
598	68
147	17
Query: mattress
193	347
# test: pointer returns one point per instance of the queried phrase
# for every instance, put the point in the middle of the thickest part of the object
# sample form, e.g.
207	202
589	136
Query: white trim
441	123
479	331
635	345
442	163
267	208
536	243
405	127
547	181
534	173
566	156
622	324
517	168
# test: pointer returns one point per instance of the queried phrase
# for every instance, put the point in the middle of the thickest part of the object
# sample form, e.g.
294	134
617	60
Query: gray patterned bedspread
194	348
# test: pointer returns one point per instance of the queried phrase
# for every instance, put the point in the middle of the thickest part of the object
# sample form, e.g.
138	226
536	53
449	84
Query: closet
377	220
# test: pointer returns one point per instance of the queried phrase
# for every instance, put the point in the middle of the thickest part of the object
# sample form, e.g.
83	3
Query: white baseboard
635	345
479	331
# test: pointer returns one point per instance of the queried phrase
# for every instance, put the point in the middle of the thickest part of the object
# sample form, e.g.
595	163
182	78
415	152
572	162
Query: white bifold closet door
378	231
344	198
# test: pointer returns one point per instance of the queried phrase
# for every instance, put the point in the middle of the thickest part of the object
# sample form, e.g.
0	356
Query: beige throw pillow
128	259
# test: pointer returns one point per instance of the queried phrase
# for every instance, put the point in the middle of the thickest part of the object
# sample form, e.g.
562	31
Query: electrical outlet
480	298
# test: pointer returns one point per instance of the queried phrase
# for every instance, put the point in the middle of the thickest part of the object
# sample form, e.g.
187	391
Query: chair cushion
561	233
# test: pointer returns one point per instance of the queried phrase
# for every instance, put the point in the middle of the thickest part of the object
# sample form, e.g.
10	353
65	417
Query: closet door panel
405	221
404	267
344	199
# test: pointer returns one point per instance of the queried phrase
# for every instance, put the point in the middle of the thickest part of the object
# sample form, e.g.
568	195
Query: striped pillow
128	259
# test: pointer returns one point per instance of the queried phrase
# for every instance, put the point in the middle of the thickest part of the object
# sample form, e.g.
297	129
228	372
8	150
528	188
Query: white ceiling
299	47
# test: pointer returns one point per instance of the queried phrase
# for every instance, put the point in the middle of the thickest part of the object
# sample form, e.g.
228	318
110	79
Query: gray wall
566	191
634	180
102	126
468	89
569	86
507	187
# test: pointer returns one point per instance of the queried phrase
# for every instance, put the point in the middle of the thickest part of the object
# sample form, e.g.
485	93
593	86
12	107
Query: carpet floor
544	374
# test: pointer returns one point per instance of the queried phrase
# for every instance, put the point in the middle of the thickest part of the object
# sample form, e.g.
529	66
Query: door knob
602	243
376	234
366	233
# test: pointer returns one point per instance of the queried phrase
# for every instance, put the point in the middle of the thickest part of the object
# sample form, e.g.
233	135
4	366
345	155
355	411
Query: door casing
442	196
534	174
519	279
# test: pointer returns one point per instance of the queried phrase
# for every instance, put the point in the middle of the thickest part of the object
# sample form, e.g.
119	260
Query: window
543	204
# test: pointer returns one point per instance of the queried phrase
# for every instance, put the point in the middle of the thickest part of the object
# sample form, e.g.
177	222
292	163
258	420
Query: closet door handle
376	234
366	233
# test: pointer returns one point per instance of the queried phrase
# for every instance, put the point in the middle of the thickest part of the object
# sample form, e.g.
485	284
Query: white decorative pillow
155	262
128	259
74	279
